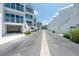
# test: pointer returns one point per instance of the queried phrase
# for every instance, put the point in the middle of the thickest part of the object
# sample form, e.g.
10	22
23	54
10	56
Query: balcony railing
15	6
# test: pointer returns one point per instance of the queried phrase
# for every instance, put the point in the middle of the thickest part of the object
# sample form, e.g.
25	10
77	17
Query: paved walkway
10	37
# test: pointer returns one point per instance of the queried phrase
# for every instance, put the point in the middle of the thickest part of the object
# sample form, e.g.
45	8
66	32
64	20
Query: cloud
45	22
35	12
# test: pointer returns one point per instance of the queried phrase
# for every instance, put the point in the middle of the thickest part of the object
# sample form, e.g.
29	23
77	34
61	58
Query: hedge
73	35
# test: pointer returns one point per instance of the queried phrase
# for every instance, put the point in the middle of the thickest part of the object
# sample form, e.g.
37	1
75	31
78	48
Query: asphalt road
25	46
31	46
59	46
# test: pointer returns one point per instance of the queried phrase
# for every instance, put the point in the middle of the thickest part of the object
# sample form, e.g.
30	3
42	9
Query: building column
1	19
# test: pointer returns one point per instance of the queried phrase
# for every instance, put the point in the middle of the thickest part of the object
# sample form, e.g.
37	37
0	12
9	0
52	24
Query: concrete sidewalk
10	37
60	34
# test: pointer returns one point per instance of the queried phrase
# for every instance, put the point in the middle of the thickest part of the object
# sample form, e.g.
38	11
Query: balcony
13	18
15	6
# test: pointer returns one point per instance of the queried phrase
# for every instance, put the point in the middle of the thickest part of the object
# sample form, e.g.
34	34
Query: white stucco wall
0	24
66	17
1	19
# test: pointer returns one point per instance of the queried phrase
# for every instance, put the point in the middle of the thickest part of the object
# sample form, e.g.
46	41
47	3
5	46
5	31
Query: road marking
44	46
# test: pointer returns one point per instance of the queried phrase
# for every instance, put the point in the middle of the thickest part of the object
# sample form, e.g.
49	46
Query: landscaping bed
27	33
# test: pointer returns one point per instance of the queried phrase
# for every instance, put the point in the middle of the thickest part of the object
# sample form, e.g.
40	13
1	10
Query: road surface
59	46
40	43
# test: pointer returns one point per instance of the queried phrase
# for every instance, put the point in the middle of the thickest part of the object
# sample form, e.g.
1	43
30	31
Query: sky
45	11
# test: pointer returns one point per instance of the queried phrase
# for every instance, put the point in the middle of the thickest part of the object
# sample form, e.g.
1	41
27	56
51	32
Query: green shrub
73	35
27	33
67	35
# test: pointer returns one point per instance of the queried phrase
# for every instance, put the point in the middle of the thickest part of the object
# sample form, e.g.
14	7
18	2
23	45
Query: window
26	9
29	9
30	16
34	19
32	28
34	24
26	16
22	8
13	5
29	22
17	6
17	19
12	18
7	17
7	5
21	19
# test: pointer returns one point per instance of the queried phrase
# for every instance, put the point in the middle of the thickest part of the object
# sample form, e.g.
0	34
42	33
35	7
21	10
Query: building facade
30	17
13	18
66	18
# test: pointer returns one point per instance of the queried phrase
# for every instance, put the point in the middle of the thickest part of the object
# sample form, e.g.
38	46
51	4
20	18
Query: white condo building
30	17
65	18
13	18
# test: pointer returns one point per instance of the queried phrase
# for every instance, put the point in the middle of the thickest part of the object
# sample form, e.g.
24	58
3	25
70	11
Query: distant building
39	25
44	27
65	18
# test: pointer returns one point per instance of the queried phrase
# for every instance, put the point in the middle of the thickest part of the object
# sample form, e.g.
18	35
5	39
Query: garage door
13	29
